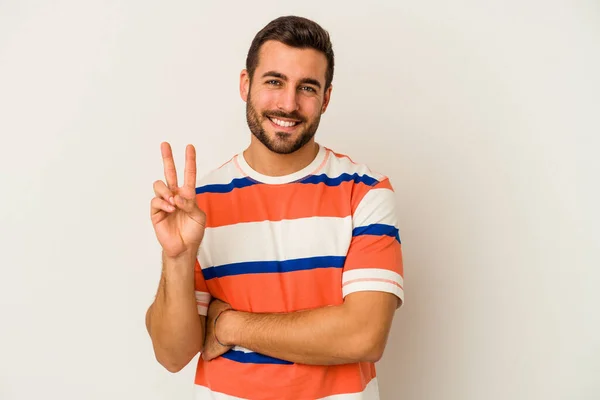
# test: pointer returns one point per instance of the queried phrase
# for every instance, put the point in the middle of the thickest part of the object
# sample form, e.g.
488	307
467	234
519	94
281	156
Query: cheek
311	107
264	100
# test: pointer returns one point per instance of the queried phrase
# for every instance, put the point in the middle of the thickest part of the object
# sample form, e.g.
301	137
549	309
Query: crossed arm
354	331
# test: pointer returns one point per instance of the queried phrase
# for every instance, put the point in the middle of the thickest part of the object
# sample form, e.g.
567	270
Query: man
283	267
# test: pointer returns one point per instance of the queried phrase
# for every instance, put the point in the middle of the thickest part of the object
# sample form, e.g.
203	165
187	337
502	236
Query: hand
178	221
212	348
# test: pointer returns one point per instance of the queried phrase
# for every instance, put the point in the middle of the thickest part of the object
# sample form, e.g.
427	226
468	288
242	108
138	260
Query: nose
287	100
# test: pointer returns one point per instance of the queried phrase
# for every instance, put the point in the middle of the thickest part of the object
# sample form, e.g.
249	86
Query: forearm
323	336
172	320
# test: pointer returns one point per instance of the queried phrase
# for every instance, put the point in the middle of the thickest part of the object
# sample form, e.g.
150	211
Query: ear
326	98
244	84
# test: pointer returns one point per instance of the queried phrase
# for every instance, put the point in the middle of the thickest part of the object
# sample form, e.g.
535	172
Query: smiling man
283	267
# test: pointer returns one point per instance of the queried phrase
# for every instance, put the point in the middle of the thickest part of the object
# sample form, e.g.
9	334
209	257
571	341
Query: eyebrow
279	75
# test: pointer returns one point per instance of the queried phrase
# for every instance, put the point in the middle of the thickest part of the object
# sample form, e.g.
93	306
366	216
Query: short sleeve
201	290
374	258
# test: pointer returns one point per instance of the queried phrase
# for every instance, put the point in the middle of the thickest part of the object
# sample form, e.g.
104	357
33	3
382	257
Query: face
286	96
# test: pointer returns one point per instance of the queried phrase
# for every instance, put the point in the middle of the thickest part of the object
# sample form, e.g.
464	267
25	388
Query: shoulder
342	165
371	192
217	179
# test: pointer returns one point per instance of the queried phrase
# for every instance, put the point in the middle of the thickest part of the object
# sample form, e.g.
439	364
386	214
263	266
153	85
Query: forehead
293	62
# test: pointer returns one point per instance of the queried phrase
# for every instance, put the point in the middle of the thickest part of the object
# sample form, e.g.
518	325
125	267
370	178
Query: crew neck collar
315	165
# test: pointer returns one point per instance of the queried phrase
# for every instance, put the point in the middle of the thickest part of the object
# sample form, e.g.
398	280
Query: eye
308	89
273	82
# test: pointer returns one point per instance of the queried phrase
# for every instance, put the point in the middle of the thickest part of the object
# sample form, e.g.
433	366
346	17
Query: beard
282	143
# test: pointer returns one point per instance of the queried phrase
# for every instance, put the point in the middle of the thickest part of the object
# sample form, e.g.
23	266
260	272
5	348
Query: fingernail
171	200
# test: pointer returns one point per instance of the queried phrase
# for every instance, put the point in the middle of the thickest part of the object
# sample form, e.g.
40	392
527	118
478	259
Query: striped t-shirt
290	243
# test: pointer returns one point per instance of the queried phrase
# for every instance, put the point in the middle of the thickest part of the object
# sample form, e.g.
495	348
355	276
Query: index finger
169	164
189	176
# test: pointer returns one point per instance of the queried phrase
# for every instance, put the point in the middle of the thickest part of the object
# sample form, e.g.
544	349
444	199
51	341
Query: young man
283	267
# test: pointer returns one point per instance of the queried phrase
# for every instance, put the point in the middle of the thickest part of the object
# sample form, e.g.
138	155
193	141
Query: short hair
295	32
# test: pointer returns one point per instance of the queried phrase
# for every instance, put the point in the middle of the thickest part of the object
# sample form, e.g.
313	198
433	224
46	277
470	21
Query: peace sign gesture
178	221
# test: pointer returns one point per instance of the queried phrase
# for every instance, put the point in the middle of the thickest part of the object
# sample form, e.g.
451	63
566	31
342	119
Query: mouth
287	125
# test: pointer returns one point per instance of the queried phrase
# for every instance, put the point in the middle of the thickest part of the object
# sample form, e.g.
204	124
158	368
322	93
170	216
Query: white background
485	115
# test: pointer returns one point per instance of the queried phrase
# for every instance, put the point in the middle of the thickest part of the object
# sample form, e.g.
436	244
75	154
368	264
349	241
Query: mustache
281	114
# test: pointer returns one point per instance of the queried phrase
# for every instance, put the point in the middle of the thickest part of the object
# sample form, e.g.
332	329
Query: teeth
283	123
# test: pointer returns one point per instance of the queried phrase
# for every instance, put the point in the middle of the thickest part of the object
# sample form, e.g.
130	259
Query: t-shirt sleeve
374	258
201	290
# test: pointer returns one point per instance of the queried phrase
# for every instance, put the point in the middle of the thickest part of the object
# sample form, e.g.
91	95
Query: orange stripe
269	381
374	280
369	251
274	292
276	202
202	304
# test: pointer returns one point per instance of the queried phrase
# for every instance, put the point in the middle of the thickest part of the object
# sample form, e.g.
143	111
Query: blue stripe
265	267
314	179
240	183
377	230
253	358
227	187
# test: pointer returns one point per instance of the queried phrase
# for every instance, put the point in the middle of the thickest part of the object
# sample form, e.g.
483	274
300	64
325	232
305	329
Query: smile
284	124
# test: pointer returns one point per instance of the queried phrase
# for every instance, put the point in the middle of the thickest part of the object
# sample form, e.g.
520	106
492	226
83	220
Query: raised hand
178	221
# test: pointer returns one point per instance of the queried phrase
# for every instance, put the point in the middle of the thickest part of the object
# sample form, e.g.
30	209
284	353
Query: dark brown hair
296	32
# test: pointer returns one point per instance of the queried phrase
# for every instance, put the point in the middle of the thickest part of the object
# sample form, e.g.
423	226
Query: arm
372	289
176	329
355	331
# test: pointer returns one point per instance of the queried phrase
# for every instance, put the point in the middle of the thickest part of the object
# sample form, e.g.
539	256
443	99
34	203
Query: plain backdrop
485	115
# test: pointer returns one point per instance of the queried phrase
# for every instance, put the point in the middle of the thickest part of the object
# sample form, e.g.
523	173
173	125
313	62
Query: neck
266	162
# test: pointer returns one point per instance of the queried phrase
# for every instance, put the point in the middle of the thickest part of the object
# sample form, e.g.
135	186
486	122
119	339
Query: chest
280	252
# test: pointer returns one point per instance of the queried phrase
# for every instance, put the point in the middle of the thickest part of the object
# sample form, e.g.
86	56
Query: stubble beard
282	143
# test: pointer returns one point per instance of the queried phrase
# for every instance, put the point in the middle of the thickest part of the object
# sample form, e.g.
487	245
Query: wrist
225	327
184	258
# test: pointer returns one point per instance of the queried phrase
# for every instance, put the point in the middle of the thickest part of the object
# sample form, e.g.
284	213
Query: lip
284	128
